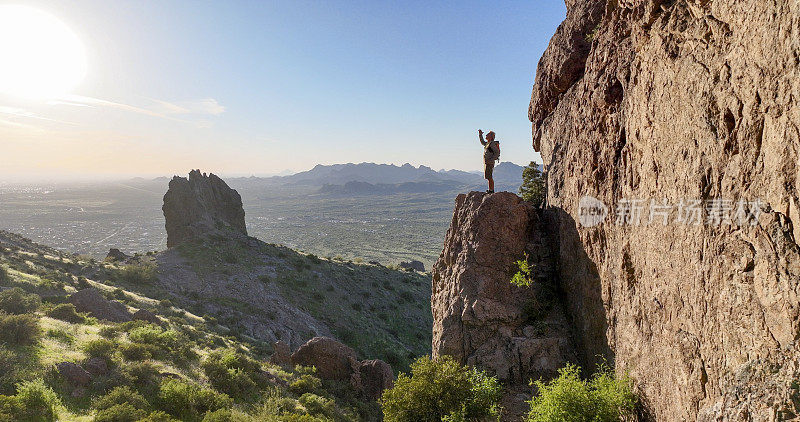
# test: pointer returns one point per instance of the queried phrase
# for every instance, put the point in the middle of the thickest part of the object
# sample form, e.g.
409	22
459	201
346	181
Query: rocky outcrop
375	376
333	360
282	354
679	101
413	265
480	318
116	255
92	301
336	361
201	205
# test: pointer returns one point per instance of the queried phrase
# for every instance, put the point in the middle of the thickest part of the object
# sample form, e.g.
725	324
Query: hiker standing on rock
491	153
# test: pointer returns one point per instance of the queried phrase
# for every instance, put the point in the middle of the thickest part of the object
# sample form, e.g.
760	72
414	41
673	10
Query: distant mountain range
371	178
379	179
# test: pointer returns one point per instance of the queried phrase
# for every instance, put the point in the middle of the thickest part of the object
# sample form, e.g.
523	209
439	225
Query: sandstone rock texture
480	318
679	100
201	205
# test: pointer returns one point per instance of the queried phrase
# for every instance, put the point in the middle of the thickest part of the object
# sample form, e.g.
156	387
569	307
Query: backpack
492	151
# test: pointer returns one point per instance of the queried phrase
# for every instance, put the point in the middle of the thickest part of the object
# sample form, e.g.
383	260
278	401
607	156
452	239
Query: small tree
534	185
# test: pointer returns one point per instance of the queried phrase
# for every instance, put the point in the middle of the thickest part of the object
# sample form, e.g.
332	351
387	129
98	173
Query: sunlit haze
95	89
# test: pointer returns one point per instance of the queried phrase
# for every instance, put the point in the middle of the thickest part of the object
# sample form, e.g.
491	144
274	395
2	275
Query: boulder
147	316
115	255
92	301
74	374
413	265
333	360
201	205
282	354
96	366
375	376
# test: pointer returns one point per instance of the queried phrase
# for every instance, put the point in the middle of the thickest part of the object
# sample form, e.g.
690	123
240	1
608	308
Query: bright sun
41	57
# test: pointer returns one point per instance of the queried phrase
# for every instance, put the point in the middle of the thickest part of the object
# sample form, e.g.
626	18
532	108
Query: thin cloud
160	109
19	112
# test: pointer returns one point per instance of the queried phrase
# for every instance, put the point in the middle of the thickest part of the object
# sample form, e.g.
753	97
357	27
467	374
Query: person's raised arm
480	137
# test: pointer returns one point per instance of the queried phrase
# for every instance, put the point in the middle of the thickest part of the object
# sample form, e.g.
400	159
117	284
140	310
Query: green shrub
189	401
317	405
138	273
441	389
603	398
17	301
100	348
121	395
60	335
4	276
305	383
152	334
10	409
524	276
37	401
221	415
233	374
158	416
18	330
109	331
66	312
534	185
135	352
124	412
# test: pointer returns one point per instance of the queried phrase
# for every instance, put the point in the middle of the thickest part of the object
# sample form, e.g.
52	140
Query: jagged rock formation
200	205
680	100
479	317
336	361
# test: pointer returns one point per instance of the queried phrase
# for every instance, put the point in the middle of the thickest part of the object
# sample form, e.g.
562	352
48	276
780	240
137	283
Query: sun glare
40	57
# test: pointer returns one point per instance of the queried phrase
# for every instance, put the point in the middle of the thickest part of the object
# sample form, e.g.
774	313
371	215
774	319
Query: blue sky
257	87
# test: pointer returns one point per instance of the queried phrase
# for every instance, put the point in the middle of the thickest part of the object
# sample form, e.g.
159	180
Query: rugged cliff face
680	101
200	205
480	318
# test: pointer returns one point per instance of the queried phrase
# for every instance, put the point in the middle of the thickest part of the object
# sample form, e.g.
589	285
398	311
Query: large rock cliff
480	318
680	101
200	205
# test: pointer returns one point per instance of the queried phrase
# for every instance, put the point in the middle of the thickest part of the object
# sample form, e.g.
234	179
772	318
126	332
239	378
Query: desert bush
4	276
66	312
135	351
534	185
60	335
137	273
305	383
234	374
158	416
37	402
189	401
109	331
17	301
441	389
124	412
317	405
19	330
100	348
603	398
121	395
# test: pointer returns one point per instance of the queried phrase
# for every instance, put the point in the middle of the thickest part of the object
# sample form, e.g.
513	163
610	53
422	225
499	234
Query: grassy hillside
188	368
